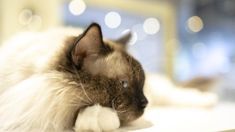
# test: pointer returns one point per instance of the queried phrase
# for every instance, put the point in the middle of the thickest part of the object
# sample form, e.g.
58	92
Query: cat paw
97	118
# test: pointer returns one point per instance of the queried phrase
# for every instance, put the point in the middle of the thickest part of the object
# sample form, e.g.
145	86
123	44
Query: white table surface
179	119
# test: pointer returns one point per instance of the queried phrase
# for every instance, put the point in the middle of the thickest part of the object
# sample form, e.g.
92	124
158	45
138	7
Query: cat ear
124	40
89	43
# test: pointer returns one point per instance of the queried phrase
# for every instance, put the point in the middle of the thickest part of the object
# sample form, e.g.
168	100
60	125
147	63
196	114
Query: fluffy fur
161	91
97	118
55	81
48	78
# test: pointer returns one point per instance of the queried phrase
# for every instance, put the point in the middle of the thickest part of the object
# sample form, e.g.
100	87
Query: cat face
115	79
130	100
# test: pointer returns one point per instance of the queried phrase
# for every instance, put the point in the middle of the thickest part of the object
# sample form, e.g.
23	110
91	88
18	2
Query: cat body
161	91
71	80
47	79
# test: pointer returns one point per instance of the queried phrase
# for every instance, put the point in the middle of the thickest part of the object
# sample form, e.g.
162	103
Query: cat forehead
116	64
121	64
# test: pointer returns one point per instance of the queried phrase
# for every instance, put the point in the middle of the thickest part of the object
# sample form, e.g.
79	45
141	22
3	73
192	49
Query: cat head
113	77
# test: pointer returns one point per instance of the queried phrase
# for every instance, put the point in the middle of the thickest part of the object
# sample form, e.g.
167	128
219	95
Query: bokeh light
25	17
36	23
151	26
199	50
138	28
216	60
77	7
112	19
195	24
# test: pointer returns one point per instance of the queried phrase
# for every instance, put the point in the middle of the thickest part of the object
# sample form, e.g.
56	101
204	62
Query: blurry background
182	39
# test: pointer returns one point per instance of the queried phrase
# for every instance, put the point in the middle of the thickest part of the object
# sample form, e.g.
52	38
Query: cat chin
127	118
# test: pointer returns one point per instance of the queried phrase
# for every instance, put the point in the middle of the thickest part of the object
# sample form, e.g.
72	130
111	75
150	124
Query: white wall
46	13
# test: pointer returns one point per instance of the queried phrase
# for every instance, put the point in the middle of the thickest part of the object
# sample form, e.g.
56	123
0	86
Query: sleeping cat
55	81
64	80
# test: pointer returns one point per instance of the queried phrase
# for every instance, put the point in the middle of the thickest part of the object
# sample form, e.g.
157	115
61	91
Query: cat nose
143	102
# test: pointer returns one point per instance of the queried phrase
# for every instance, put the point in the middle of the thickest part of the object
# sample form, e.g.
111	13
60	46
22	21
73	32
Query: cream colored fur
27	91
161	91
34	100
98	119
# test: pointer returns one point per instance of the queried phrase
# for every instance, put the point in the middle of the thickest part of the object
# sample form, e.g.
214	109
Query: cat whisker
113	107
76	104
81	99
66	69
83	89
121	111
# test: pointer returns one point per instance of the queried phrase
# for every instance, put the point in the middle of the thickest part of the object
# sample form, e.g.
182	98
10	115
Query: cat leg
97	118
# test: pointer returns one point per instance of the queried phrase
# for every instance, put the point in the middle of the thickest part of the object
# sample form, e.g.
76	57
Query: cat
65	80
161	91
46	86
